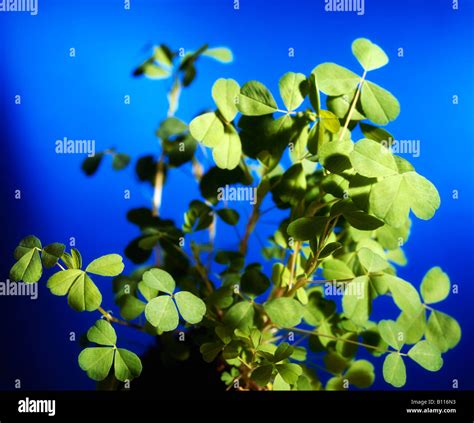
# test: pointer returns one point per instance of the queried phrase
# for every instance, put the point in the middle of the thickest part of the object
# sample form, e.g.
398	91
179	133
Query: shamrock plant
299	315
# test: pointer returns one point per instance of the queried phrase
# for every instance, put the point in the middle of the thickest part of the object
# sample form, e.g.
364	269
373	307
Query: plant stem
113	319
336	338
353	105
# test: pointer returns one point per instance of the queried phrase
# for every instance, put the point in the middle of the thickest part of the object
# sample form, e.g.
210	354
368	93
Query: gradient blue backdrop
82	97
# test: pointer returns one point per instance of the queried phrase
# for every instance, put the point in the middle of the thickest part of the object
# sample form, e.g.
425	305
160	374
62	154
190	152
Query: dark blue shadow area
83	98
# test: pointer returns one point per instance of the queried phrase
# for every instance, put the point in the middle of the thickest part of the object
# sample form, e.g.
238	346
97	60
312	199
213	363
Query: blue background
82	98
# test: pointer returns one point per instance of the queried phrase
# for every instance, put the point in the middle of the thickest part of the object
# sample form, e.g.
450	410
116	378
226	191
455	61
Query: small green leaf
435	286
76	259
285	312
108	265
394	370
290	372
153	71
51	254
96	361
306	228
404	295
221	54
84	294
334	79
207	129
228	151
102	333
127	365
254	282
130	306
335	155
256	100
61	282
426	355
160	280
361	374
225	93
335	269
90	165
443	331
392	334
28	268
120	161
229	216
240	315
262	375
369	55
161	312
371	261
372	159
357	303
283	351
379	105
191	308
392	197
413	326
329	249
293	89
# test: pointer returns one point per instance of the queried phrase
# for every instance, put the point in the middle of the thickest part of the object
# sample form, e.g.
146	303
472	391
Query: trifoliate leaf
392	197
334	79
207	129
335	363
96	361
394	370
392	334
228	151
161	312
127	365
160	280
371	261
225	93
426	355
443	331
221	54
84	294
51	254
372	159
435	286
361	374
108	265
369	55
102	333
240	315
256	100
290	372
285	312
293	89
191	308
379	105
